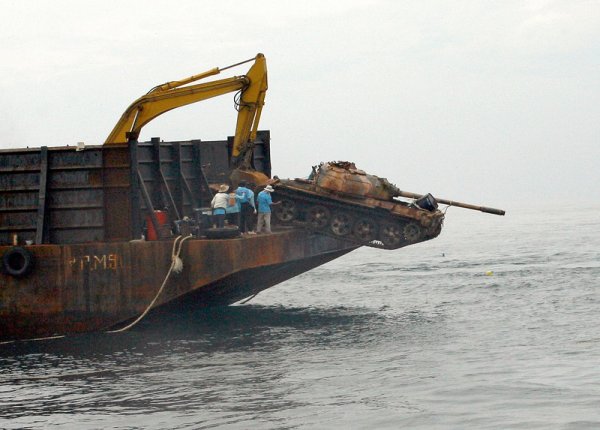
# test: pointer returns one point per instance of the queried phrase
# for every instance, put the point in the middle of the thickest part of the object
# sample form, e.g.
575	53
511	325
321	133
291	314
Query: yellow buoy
489	273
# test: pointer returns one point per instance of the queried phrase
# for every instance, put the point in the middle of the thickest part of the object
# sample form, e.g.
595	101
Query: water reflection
232	328
244	360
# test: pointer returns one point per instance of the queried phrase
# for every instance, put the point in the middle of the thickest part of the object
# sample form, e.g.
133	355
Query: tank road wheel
317	217
365	230
412	232
391	235
341	224
286	210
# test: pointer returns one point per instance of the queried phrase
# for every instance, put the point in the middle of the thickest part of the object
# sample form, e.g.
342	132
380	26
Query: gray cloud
490	102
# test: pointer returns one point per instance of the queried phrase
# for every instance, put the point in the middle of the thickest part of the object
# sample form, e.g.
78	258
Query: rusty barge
71	222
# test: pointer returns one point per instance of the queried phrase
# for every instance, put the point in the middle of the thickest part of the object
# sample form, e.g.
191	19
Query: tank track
374	227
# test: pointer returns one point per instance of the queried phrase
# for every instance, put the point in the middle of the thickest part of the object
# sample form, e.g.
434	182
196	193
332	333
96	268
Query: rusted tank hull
366	221
94	286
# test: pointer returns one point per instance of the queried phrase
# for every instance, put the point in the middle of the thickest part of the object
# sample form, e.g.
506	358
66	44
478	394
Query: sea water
493	325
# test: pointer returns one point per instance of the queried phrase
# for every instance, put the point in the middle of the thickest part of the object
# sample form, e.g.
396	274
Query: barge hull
95	286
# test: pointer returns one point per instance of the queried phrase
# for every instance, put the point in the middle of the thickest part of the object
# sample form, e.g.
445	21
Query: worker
246	199
219	205
232	212
264	209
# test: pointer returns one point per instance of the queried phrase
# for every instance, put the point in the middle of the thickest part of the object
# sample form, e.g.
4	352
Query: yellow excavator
252	88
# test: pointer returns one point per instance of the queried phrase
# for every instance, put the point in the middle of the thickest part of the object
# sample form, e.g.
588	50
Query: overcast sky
489	102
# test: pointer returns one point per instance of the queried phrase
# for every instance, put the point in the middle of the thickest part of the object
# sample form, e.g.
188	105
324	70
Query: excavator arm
251	102
171	95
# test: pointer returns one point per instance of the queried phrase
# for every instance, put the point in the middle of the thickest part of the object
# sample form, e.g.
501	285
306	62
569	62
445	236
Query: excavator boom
155	103
171	95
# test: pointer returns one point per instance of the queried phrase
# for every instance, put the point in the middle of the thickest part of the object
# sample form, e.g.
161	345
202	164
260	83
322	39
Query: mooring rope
176	266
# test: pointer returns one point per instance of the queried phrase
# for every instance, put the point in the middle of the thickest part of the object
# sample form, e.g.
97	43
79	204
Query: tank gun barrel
453	203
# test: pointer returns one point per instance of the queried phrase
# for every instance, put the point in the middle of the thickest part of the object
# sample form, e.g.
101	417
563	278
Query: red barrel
163	220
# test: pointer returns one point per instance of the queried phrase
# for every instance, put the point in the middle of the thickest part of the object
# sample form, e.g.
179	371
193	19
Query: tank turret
344	179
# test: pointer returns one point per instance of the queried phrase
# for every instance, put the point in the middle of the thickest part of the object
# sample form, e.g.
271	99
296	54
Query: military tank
340	200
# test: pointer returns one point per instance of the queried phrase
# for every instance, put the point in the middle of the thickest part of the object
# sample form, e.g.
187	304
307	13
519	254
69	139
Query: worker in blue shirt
245	197
264	209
